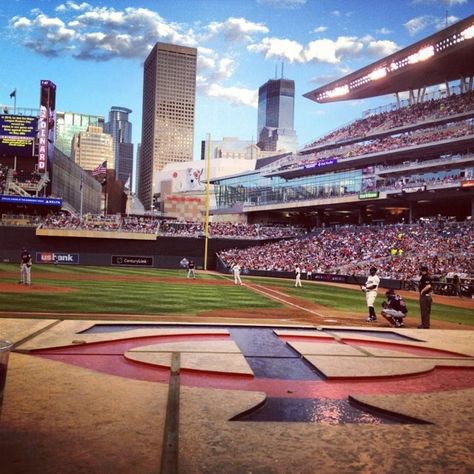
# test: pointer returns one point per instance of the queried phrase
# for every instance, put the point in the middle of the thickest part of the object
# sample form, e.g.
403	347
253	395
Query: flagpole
208	173
106	187
82	193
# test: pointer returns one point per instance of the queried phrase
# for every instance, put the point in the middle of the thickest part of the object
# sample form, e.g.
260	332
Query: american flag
101	169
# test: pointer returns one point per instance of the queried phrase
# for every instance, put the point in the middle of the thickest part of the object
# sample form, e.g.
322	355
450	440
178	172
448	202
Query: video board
17	135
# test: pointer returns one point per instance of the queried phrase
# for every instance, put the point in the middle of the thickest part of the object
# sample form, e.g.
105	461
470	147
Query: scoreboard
17	135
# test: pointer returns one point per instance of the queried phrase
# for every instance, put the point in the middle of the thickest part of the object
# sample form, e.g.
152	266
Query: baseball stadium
124	357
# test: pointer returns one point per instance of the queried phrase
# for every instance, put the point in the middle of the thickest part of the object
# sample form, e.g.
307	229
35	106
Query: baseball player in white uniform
370	289
236	271
298	276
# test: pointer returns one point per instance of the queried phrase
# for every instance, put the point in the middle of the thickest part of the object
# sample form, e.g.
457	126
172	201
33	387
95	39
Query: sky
94	52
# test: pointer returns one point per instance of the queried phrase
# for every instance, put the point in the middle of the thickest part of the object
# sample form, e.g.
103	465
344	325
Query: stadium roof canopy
445	56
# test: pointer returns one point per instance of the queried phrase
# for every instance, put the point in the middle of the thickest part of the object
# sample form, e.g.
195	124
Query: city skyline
95	52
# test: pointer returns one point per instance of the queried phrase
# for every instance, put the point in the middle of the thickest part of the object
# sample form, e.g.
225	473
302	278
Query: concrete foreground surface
128	397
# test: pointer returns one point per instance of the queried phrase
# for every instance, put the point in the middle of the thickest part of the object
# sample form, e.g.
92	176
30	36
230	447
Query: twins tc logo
305	374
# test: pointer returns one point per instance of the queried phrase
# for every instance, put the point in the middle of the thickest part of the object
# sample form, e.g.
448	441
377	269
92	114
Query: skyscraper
169	90
276	113
121	130
93	147
70	123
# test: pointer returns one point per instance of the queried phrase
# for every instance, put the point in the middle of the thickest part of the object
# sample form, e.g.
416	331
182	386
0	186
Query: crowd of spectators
389	143
234	230
152	225
434	179
61	221
13	219
397	250
3	178
410	115
26	178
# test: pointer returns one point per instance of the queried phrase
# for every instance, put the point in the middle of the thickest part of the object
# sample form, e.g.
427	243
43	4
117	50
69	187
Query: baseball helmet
373	270
389	292
423	268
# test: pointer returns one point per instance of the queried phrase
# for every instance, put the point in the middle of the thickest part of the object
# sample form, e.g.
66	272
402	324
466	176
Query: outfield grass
132	297
127	297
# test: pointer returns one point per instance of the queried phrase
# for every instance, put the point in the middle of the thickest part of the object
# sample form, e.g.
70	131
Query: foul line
265	291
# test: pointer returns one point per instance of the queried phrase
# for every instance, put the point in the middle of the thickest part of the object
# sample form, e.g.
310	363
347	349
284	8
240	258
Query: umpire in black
426	290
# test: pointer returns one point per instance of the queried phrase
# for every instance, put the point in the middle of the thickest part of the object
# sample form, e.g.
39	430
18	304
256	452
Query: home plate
330	320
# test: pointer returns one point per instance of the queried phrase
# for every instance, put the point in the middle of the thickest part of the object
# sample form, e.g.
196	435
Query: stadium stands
151	225
397	250
401	117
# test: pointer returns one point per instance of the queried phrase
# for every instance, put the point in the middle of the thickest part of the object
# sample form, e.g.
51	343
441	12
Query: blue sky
94	52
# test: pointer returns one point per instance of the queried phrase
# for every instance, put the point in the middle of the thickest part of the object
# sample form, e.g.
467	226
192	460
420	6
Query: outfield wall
162	252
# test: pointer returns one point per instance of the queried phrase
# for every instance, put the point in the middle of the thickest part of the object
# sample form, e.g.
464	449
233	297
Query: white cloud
384	31
329	51
324	79
381	48
282	49
98	33
441	23
206	59
236	29
415	25
418	24
72	6
323	50
234	95
449	3
320	29
282	3
19	22
225	69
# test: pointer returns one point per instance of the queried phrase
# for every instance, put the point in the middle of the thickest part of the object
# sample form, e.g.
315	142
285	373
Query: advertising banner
30	201
369	195
57	258
46	124
132	261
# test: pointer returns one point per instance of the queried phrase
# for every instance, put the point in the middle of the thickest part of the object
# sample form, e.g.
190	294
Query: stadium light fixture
468	33
422	55
378	74
338	91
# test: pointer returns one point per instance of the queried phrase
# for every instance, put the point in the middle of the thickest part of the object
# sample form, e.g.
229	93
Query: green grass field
99	295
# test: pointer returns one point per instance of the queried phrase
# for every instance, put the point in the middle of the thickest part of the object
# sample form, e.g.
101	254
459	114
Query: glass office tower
69	124
121	130
276	113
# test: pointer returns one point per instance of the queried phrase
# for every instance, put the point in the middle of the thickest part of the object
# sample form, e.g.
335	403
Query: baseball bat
357	281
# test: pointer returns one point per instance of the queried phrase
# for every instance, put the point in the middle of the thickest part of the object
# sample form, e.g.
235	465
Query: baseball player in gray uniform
25	267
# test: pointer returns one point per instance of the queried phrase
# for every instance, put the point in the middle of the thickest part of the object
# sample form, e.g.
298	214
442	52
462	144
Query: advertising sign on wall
46	123
57	257
30	201
132	261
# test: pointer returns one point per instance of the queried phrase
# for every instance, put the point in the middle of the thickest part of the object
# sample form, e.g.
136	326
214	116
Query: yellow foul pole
208	187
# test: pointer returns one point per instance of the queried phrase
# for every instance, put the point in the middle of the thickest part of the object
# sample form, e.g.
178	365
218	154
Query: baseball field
151	293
